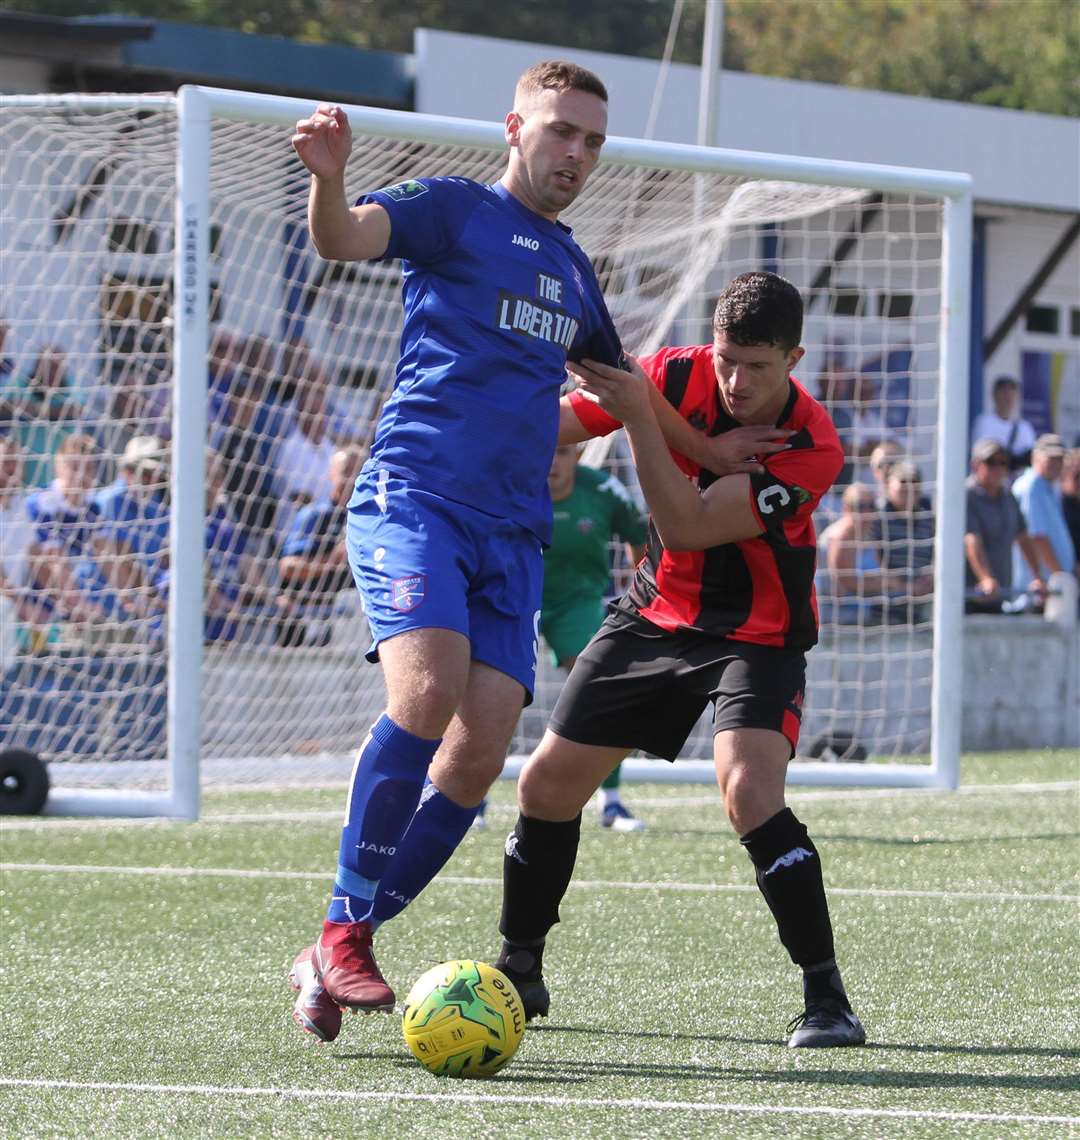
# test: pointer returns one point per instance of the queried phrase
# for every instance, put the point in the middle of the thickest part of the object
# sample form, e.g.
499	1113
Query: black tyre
24	782
837	746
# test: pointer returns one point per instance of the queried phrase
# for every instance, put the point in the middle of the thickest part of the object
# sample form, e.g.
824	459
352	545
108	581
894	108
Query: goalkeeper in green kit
591	508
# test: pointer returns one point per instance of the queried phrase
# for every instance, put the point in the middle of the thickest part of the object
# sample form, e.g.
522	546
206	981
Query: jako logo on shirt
527	242
407	593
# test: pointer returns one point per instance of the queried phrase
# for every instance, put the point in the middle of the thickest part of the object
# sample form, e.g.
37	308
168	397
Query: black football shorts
638	686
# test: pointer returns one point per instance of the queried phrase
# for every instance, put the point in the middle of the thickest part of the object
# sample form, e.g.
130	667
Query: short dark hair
558	75
760	308
1005	382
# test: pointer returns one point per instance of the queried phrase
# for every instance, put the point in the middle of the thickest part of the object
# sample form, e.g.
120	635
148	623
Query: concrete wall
263	701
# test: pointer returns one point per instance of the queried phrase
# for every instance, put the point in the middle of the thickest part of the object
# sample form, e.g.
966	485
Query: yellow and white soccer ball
463	1019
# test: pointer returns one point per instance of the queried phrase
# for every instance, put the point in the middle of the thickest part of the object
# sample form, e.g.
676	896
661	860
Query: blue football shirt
496	298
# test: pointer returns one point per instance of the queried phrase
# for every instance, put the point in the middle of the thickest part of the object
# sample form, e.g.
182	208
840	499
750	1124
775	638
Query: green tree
1007	53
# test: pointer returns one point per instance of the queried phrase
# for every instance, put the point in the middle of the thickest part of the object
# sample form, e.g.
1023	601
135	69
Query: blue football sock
437	828
386	784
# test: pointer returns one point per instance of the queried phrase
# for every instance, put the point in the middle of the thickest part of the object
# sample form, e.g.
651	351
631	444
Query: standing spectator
994	523
314	564
21	618
47	409
1070	496
303	461
1005	424
904	534
591	508
836	391
1039	497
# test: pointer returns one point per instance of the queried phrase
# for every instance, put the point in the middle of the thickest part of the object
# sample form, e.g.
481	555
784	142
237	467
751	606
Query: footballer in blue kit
449	516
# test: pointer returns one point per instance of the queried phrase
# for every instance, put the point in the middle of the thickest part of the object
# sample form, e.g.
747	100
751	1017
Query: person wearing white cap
133	539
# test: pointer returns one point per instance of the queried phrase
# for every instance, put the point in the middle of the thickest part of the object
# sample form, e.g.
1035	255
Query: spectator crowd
1022	514
84	502
84	508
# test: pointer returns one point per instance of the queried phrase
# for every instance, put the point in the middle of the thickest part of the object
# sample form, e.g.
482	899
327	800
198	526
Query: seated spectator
247	442
314	565
904	534
854	589
1005	424
1070	496
63	572
1036	491
994	523
132	543
869	425
876	471
46	407
232	591
24	623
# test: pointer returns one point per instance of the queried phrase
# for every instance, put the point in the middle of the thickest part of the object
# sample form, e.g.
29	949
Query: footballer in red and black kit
758	591
721	609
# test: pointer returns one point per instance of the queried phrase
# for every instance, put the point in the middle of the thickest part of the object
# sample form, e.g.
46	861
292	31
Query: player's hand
988	586
743	448
324	140
624	395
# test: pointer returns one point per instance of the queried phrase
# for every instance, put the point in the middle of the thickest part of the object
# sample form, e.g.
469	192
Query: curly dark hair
760	308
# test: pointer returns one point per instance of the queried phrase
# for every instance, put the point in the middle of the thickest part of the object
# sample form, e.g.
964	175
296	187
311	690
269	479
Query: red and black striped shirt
760	589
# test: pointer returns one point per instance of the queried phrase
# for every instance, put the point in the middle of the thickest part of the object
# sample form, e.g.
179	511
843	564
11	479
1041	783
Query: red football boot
315	1011
345	965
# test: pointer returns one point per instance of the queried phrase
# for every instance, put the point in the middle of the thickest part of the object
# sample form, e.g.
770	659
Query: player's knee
543	793
425	703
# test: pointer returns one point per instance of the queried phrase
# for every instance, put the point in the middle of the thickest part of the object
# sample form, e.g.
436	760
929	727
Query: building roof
123	53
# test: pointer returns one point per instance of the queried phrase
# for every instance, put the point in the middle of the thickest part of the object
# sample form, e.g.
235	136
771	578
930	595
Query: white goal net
178	364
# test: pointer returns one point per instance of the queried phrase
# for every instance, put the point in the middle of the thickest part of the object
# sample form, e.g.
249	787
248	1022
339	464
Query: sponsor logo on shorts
407	593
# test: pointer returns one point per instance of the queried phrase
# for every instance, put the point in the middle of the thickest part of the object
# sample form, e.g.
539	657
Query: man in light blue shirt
1039	496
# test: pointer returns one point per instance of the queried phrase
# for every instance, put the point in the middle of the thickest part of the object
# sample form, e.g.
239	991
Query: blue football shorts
422	561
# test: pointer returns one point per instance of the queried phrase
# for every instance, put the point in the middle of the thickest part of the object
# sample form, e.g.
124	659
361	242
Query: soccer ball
463	1019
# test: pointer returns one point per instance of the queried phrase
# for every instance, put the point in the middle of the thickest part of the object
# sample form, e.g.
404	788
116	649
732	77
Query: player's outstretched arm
323	143
684	518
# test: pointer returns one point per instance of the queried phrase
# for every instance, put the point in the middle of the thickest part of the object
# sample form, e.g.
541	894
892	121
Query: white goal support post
181	376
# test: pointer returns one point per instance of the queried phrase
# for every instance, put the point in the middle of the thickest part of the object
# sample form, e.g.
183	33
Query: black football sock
789	877
823	982
537	865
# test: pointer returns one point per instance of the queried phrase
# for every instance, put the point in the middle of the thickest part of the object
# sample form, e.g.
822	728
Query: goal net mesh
302	354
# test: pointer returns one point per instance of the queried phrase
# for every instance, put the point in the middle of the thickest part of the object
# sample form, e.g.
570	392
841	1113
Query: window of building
1043	319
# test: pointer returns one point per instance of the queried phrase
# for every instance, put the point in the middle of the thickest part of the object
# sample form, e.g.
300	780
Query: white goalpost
155	246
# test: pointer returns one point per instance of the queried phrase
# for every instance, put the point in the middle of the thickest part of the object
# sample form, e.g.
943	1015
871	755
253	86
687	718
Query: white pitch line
476	881
708	799
560	1102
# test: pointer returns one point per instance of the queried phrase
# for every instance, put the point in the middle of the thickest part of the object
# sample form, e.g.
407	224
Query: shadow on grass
870	1078
893	1046
944	841
401	1060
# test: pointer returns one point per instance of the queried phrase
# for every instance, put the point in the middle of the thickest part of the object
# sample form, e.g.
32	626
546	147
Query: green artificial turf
152	1004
